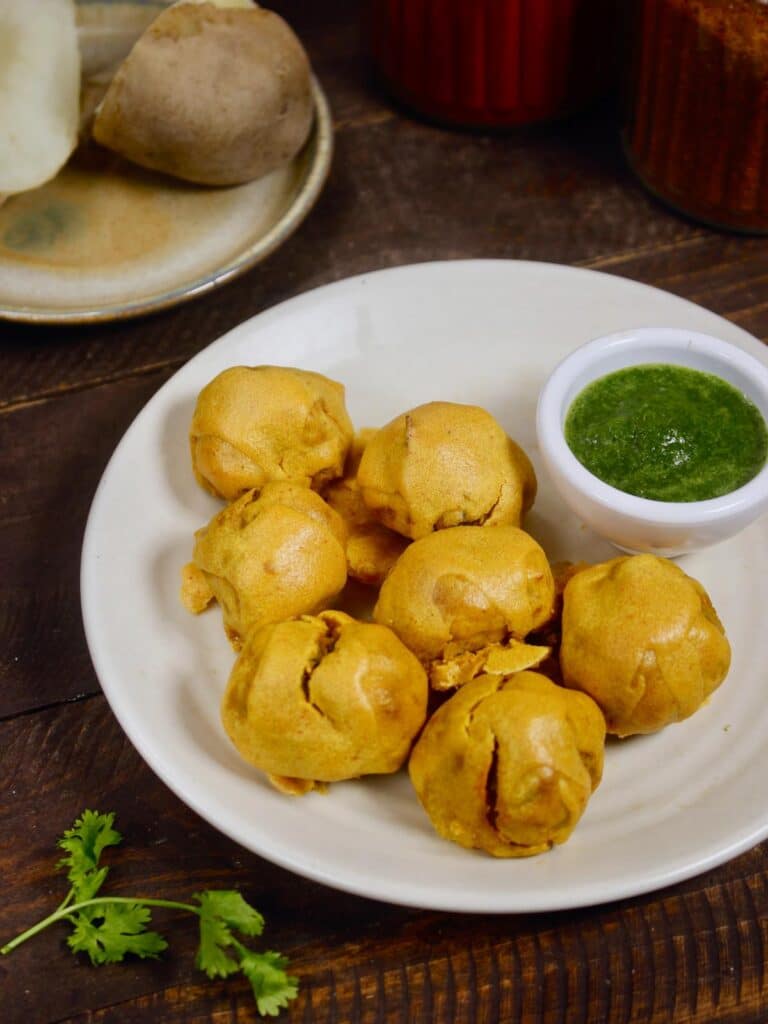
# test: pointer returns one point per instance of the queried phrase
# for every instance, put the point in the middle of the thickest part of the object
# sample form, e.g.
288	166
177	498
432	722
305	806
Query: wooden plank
401	191
445	196
693	953
726	274
52	454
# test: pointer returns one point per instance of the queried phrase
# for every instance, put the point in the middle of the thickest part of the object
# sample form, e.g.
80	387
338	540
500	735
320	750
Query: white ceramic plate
487	332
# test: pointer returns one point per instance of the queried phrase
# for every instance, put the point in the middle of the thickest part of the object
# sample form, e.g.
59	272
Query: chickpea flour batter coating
372	549
256	424
461	589
444	464
268	557
323	698
504	659
508	764
643	640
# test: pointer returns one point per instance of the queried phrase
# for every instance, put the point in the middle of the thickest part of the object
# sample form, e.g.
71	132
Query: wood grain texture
692	953
52	454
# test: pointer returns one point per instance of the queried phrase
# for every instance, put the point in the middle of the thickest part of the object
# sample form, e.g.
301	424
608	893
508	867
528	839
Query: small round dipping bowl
636	524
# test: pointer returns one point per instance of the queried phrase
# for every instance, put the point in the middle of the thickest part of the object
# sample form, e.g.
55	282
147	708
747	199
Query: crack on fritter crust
492	788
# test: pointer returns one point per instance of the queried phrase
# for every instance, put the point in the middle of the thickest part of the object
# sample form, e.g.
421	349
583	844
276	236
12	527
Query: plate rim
416	895
320	144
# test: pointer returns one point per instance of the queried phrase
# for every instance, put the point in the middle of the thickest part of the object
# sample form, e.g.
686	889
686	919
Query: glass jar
492	62
697	126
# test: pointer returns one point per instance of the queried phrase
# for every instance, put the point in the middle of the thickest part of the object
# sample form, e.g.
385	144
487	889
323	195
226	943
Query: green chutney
667	433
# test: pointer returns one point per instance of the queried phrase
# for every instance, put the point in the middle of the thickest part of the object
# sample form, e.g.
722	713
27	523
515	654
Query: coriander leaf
215	937
272	988
89	884
108	928
83	845
230	906
112	930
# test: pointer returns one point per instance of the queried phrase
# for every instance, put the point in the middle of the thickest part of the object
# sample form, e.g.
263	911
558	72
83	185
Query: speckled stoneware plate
105	240
489	332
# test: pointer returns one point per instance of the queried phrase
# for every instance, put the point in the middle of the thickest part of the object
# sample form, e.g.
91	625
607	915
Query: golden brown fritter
268	557
255	424
460	589
196	593
453	670
324	698
508	764
372	549
642	639
443	464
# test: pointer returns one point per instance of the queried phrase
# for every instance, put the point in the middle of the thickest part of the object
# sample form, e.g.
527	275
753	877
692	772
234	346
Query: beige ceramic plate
106	240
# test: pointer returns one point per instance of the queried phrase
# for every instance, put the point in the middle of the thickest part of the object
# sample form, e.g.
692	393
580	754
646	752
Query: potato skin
215	96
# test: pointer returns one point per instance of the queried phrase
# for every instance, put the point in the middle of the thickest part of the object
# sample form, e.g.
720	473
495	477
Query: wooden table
400	191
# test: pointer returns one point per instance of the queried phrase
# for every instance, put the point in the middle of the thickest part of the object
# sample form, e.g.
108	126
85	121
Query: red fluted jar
697	119
493	62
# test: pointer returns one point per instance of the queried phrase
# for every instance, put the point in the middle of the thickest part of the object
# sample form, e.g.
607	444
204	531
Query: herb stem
66	910
67	898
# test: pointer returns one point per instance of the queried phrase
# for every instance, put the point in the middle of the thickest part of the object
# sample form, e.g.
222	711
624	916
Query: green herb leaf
112	930
272	988
230	906
83	845
89	884
215	938
108	928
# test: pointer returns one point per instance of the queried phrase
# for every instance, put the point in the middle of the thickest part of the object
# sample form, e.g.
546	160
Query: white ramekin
639	524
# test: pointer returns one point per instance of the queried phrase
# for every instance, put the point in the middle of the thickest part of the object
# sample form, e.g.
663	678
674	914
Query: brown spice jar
697	130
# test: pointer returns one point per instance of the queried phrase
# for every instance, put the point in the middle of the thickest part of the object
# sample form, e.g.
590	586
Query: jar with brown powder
697	124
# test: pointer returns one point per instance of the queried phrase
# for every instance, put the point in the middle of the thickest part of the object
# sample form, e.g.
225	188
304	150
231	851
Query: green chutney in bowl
657	437
667	432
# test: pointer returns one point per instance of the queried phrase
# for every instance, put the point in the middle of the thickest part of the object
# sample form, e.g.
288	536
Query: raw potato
39	91
106	33
214	95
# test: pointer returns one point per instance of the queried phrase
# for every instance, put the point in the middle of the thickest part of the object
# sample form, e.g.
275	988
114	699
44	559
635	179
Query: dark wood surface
400	191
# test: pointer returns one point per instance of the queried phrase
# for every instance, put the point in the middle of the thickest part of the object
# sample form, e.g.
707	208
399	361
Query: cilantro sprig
108	928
